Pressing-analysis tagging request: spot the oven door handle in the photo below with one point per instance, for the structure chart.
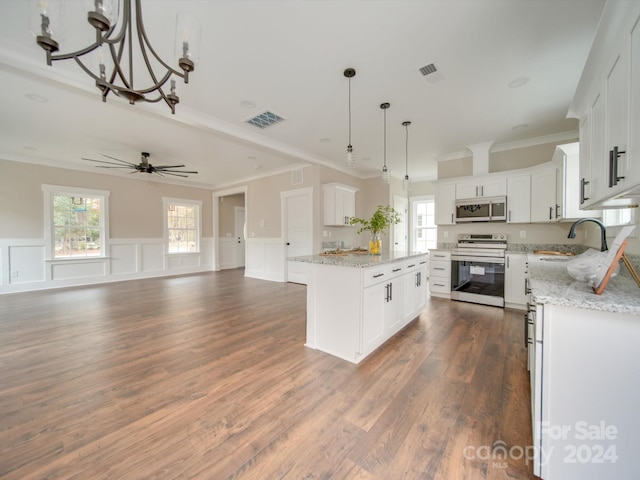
(465, 258)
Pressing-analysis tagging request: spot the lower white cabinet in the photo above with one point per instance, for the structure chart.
(515, 278)
(351, 311)
(440, 273)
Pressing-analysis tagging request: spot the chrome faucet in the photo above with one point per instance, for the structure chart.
(603, 232)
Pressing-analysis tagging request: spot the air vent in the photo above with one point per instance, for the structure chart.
(265, 119)
(430, 73)
(296, 177)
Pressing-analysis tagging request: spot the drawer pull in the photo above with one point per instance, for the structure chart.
(396, 270)
(378, 275)
(411, 266)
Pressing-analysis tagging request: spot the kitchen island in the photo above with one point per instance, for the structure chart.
(355, 302)
(584, 372)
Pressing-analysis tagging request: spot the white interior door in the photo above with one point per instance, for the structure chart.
(240, 220)
(400, 205)
(297, 218)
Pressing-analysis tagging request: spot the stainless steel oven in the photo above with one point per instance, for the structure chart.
(477, 268)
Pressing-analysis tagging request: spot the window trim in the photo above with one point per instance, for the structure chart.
(48, 192)
(166, 201)
(414, 220)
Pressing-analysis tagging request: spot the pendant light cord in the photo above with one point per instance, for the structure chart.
(385, 137)
(349, 111)
(406, 151)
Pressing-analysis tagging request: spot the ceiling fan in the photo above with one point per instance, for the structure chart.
(144, 166)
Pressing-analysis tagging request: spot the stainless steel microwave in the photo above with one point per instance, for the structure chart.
(489, 209)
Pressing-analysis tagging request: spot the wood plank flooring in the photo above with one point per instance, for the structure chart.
(206, 377)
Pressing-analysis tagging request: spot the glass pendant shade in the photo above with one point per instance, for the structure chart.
(188, 33)
(349, 160)
(405, 182)
(109, 9)
(385, 175)
(45, 17)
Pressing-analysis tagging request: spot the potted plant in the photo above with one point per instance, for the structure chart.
(382, 218)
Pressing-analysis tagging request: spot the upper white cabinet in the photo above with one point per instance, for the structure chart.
(544, 206)
(486, 187)
(519, 199)
(607, 102)
(339, 204)
(445, 204)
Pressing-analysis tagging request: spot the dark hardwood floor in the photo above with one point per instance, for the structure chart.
(206, 376)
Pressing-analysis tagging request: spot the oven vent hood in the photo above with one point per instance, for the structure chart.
(480, 157)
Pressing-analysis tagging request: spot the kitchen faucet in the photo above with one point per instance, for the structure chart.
(603, 232)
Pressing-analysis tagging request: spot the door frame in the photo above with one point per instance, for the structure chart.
(237, 210)
(215, 254)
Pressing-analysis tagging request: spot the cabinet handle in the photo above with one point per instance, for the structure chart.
(550, 213)
(452, 218)
(557, 208)
(611, 183)
(439, 284)
(391, 291)
(526, 329)
(616, 155)
(386, 292)
(438, 268)
(422, 263)
(378, 275)
(508, 262)
(476, 190)
(482, 190)
(509, 215)
(583, 182)
(411, 266)
(396, 270)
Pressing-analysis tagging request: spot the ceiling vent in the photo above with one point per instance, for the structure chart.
(430, 73)
(265, 119)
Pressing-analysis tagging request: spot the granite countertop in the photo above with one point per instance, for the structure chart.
(357, 260)
(550, 283)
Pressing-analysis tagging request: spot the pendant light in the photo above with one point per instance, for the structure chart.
(349, 161)
(405, 181)
(385, 170)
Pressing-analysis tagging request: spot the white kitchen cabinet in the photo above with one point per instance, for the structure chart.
(515, 277)
(339, 204)
(607, 102)
(445, 204)
(353, 310)
(440, 273)
(519, 199)
(544, 206)
(415, 287)
(584, 399)
(485, 187)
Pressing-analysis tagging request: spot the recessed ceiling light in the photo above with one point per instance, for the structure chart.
(518, 82)
(325, 140)
(37, 98)
(522, 126)
(247, 104)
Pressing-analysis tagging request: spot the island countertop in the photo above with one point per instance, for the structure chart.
(550, 282)
(356, 260)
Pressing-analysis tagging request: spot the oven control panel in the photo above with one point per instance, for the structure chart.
(500, 237)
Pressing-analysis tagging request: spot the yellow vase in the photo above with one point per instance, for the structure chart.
(375, 244)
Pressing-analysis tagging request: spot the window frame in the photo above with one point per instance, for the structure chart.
(49, 191)
(414, 220)
(166, 202)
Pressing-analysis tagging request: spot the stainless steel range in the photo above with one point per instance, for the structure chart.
(477, 268)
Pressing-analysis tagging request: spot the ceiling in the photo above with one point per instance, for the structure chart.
(288, 57)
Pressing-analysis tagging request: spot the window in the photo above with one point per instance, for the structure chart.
(425, 231)
(182, 225)
(614, 219)
(75, 222)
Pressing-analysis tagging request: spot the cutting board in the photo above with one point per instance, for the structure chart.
(552, 252)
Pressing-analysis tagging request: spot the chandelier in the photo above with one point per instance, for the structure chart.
(115, 55)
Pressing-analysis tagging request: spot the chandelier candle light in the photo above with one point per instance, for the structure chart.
(116, 48)
(349, 161)
(385, 170)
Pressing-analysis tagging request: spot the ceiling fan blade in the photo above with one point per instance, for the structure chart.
(178, 171)
(104, 161)
(114, 166)
(118, 160)
(175, 174)
(162, 167)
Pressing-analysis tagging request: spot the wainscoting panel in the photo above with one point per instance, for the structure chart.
(265, 259)
(152, 257)
(124, 258)
(23, 266)
(228, 252)
(26, 264)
